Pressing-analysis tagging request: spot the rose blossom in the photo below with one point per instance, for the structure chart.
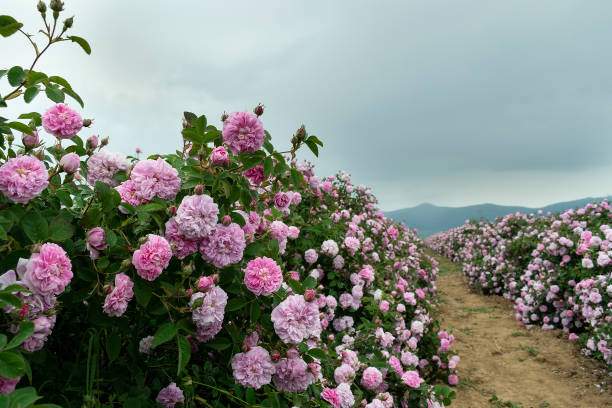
(155, 178)
(255, 175)
(371, 378)
(30, 140)
(292, 375)
(23, 178)
(170, 396)
(103, 165)
(180, 244)
(219, 156)
(152, 257)
(412, 379)
(7, 385)
(70, 162)
(263, 276)
(254, 368)
(209, 315)
(47, 272)
(42, 330)
(224, 246)
(92, 141)
(96, 241)
(295, 319)
(311, 256)
(282, 201)
(62, 122)
(117, 301)
(243, 132)
(330, 395)
(197, 216)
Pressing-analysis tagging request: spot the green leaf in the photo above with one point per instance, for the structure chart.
(236, 303)
(25, 330)
(59, 80)
(297, 178)
(309, 283)
(30, 94)
(190, 117)
(82, 42)
(165, 333)
(113, 346)
(35, 226)
(109, 197)
(111, 237)
(54, 93)
(184, 353)
(74, 96)
(250, 396)
(317, 353)
(150, 207)
(268, 165)
(200, 124)
(312, 146)
(255, 312)
(192, 135)
(34, 77)
(219, 343)
(296, 286)
(143, 292)
(316, 140)
(61, 229)
(20, 127)
(9, 26)
(16, 75)
(11, 364)
(24, 397)
(3, 340)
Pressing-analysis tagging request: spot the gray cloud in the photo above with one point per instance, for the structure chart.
(450, 102)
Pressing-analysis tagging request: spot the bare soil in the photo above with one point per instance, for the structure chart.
(505, 365)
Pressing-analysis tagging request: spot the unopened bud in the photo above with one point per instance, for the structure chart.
(126, 263)
(42, 7)
(186, 124)
(224, 117)
(259, 110)
(10, 138)
(87, 122)
(56, 5)
(275, 356)
(216, 278)
(301, 133)
(68, 22)
(104, 142)
(227, 220)
(309, 295)
(92, 141)
(36, 248)
(205, 283)
(40, 155)
(172, 210)
(199, 189)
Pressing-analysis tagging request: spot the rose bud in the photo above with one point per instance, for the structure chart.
(70, 162)
(224, 117)
(219, 156)
(199, 189)
(309, 295)
(259, 110)
(92, 141)
(205, 283)
(30, 140)
(227, 220)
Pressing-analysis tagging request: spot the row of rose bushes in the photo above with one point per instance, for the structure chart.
(225, 274)
(556, 268)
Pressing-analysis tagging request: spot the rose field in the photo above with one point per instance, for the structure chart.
(231, 273)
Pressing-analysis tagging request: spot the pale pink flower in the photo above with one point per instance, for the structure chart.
(43, 325)
(295, 319)
(116, 302)
(47, 272)
(152, 257)
(292, 375)
(197, 216)
(127, 192)
(62, 122)
(212, 310)
(23, 178)
(330, 395)
(254, 368)
(243, 132)
(412, 379)
(311, 256)
(155, 178)
(180, 244)
(96, 241)
(255, 175)
(224, 246)
(219, 156)
(170, 396)
(7, 385)
(263, 276)
(70, 162)
(103, 165)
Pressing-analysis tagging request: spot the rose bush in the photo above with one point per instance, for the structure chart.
(555, 268)
(224, 274)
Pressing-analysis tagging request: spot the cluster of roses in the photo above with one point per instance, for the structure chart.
(373, 288)
(556, 269)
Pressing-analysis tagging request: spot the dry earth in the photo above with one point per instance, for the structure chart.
(505, 365)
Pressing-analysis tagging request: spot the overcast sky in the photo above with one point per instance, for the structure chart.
(449, 102)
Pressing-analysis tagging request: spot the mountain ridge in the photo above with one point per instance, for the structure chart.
(429, 218)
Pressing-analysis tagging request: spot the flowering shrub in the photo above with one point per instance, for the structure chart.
(556, 269)
(226, 274)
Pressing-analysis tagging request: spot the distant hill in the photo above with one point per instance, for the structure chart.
(429, 218)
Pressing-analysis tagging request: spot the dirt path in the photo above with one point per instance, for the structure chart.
(504, 365)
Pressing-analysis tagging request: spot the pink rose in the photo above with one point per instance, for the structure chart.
(70, 162)
(219, 156)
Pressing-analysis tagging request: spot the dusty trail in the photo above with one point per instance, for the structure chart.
(504, 365)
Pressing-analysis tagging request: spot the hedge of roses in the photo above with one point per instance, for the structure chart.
(556, 269)
(225, 274)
